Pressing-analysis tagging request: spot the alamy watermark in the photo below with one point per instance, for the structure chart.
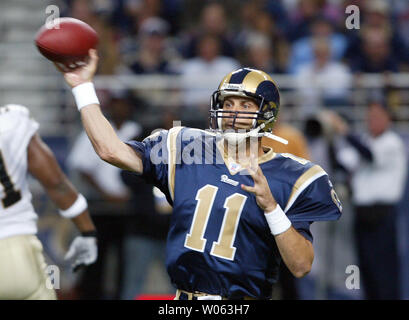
(352, 282)
(53, 15)
(194, 146)
(354, 19)
(52, 277)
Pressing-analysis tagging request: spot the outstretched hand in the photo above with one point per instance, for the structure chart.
(81, 74)
(261, 189)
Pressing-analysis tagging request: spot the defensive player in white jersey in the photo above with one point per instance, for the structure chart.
(22, 264)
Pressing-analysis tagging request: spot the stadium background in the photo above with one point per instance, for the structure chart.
(148, 55)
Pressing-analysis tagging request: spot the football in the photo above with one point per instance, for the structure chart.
(67, 43)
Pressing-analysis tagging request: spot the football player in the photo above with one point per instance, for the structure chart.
(234, 217)
(22, 264)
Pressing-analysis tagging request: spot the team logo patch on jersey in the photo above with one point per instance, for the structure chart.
(234, 167)
(224, 178)
(336, 200)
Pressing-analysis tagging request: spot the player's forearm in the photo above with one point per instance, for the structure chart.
(60, 190)
(106, 142)
(64, 195)
(296, 252)
(100, 132)
(83, 222)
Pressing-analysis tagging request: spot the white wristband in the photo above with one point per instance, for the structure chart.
(84, 95)
(277, 221)
(78, 207)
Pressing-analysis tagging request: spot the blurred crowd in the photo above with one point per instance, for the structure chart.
(307, 39)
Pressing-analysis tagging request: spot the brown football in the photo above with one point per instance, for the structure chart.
(67, 45)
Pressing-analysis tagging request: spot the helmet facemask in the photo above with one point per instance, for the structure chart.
(262, 121)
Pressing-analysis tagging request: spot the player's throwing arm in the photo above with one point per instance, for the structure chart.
(100, 132)
(71, 47)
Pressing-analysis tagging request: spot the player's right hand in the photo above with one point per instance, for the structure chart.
(81, 74)
(261, 190)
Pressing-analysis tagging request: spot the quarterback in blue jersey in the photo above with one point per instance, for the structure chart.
(239, 209)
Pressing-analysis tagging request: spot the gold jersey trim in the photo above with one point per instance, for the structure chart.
(303, 182)
(172, 153)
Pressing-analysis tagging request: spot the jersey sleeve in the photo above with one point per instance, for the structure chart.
(318, 201)
(17, 126)
(155, 158)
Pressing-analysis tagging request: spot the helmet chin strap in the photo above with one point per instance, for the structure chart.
(276, 138)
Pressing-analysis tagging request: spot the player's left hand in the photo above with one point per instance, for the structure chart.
(261, 189)
(82, 252)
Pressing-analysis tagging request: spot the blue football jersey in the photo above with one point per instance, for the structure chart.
(219, 241)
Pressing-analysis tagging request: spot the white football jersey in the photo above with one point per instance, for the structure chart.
(17, 215)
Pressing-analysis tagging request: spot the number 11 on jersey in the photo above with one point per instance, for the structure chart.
(233, 204)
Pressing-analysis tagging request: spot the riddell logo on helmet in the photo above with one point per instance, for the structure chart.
(232, 86)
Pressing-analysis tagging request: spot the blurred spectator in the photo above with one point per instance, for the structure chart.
(140, 10)
(333, 248)
(258, 24)
(107, 47)
(305, 13)
(318, 142)
(378, 15)
(249, 13)
(377, 47)
(213, 21)
(322, 82)
(82, 10)
(278, 12)
(172, 12)
(108, 197)
(151, 53)
(402, 20)
(302, 51)
(208, 62)
(259, 54)
(376, 53)
(378, 166)
(114, 12)
(301, 18)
